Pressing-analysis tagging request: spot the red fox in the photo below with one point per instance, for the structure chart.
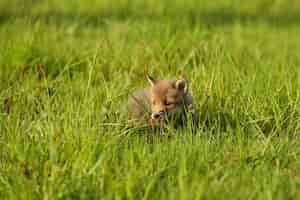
(163, 100)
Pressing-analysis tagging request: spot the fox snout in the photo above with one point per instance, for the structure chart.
(157, 115)
(165, 114)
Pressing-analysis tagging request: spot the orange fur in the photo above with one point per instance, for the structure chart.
(160, 101)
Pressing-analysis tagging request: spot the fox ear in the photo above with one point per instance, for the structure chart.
(182, 85)
(151, 80)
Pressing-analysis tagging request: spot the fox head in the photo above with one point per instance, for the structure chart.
(167, 97)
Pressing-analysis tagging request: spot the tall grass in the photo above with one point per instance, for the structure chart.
(66, 68)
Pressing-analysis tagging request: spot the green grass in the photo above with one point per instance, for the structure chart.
(66, 68)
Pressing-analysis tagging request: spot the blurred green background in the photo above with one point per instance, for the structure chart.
(66, 68)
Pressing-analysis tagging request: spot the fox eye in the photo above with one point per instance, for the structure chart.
(153, 102)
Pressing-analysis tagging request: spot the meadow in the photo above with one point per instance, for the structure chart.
(67, 67)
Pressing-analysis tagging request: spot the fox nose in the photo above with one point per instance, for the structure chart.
(157, 115)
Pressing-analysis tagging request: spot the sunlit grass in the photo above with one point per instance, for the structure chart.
(67, 67)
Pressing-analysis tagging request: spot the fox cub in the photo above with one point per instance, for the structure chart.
(163, 101)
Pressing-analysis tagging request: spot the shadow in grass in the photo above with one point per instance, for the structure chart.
(209, 17)
(215, 119)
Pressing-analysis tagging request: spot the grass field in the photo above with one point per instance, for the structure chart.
(66, 68)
